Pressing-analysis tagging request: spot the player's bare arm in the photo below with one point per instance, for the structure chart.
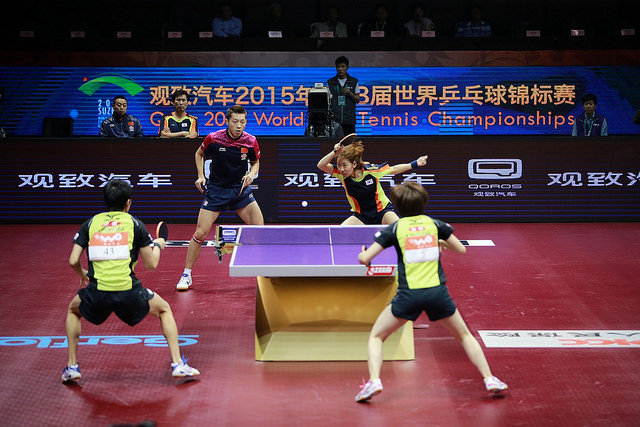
(403, 167)
(325, 163)
(151, 254)
(166, 133)
(74, 262)
(250, 176)
(370, 253)
(454, 244)
(201, 181)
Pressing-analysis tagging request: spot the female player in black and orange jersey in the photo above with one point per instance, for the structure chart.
(361, 182)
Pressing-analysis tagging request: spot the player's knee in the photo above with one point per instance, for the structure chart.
(158, 306)
(74, 305)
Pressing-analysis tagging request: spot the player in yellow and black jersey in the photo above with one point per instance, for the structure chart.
(113, 240)
(417, 239)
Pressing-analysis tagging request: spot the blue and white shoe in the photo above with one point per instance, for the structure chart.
(184, 282)
(71, 373)
(183, 370)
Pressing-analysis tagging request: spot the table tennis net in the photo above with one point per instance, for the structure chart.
(298, 235)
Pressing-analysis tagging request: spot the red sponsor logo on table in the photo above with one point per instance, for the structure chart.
(380, 270)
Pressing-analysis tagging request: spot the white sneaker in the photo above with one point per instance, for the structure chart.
(370, 389)
(184, 283)
(494, 385)
(71, 373)
(183, 370)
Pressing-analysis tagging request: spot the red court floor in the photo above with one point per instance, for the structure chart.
(538, 277)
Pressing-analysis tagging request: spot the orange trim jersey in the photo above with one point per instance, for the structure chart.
(112, 240)
(187, 123)
(365, 194)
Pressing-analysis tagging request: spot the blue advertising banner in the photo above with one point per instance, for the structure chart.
(395, 100)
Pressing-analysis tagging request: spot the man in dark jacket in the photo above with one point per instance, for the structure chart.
(590, 123)
(345, 94)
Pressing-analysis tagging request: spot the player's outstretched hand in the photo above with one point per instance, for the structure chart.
(422, 160)
(337, 148)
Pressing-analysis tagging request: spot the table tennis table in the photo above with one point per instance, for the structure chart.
(314, 300)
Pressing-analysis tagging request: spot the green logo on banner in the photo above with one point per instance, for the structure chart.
(90, 87)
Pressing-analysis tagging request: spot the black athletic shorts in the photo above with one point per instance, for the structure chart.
(375, 218)
(435, 301)
(130, 306)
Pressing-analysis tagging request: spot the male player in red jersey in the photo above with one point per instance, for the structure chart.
(227, 187)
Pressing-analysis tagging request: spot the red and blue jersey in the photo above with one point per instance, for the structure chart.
(229, 157)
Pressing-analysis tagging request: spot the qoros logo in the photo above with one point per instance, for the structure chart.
(494, 169)
(380, 270)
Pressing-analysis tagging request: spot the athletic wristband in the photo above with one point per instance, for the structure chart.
(414, 164)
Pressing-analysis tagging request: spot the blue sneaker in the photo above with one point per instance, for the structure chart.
(71, 373)
(183, 370)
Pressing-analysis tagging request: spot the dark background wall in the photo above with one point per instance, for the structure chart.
(149, 20)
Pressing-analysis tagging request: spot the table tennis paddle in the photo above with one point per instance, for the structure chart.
(348, 139)
(162, 231)
(243, 184)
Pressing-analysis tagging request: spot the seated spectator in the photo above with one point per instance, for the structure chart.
(179, 124)
(275, 22)
(339, 29)
(226, 25)
(418, 24)
(120, 124)
(590, 123)
(381, 24)
(475, 27)
(636, 118)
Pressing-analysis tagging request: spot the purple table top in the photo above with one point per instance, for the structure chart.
(306, 251)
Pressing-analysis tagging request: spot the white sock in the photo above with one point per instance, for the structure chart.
(187, 271)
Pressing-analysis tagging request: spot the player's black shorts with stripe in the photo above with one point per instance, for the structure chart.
(131, 306)
(375, 218)
(435, 301)
(226, 198)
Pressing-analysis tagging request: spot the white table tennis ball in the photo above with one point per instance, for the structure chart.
(304, 203)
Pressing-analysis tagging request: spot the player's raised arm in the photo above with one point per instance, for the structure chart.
(403, 167)
(325, 163)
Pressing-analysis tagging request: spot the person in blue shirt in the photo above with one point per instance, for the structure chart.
(475, 27)
(226, 25)
(121, 124)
